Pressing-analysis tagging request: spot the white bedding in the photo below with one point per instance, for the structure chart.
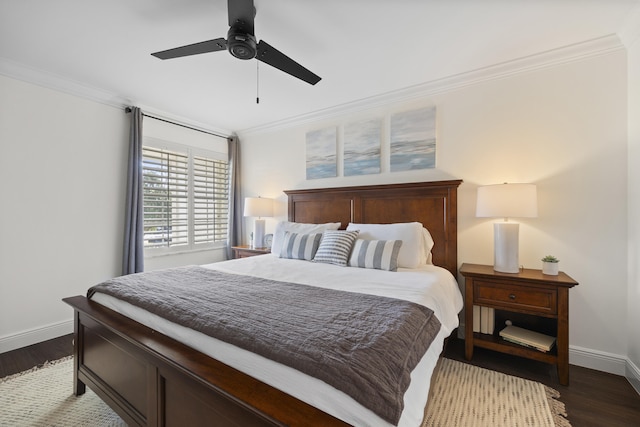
(428, 285)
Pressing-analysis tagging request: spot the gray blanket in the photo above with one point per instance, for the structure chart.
(363, 345)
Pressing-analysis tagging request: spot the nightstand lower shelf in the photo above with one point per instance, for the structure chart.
(496, 343)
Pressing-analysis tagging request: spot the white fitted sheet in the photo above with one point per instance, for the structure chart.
(428, 285)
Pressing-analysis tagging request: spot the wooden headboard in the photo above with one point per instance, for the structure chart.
(434, 204)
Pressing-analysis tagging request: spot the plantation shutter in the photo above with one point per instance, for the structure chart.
(166, 197)
(210, 200)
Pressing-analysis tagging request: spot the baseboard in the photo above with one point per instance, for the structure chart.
(598, 360)
(34, 336)
(633, 375)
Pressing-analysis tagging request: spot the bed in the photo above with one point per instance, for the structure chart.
(151, 374)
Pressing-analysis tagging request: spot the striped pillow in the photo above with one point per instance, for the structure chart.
(300, 246)
(335, 247)
(378, 254)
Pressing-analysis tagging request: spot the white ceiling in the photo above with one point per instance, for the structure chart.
(360, 48)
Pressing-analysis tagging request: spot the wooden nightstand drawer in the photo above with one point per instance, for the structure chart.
(515, 297)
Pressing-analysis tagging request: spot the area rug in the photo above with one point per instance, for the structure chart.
(43, 397)
(461, 395)
(466, 395)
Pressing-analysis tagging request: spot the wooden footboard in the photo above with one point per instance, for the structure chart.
(150, 379)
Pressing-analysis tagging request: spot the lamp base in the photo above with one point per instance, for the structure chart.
(505, 247)
(258, 234)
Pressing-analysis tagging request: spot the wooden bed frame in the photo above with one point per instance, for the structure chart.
(150, 379)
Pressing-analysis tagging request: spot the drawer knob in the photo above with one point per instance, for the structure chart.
(512, 296)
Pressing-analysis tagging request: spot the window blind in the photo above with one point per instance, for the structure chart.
(186, 200)
(166, 197)
(210, 200)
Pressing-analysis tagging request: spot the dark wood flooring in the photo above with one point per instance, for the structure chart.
(593, 398)
(25, 358)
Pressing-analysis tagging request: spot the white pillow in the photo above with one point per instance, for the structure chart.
(427, 245)
(299, 228)
(412, 252)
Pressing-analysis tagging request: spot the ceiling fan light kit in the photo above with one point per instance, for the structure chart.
(241, 43)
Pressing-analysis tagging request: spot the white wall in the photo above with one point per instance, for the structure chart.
(633, 300)
(63, 167)
(62, 180)
(563, 128)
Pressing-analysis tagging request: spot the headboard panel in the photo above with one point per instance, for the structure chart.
(434, 204)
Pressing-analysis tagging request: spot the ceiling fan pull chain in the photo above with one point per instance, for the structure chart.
(257, 82)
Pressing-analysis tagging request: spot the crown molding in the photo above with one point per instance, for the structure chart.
(58, 83)
(630, 31)
(551, 58)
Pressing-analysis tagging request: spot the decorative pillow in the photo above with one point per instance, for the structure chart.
(300, 228)
(335, 247)
(300, 246)
(412, 253)
(378, 254)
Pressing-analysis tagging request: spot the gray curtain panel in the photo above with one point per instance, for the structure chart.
(236, 220)
(133, 256)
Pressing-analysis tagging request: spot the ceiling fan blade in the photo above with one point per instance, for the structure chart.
(241, 15)
(193, 49)
(272, 56)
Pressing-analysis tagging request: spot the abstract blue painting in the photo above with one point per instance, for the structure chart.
(362, 147)
(322, 153)
(413, 140)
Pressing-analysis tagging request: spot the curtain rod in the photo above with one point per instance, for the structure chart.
(128, 110)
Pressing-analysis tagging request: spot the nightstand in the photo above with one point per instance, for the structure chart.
(530, 299)
(245, 251)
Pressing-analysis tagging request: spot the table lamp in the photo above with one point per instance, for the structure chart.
(507, 201)
(258, 207)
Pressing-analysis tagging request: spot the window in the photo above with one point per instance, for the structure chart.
(185, 199)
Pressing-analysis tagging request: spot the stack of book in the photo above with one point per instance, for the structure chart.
(483, 319)
(528, 338)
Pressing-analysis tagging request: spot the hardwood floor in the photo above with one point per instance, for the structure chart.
(25, 358)
(593, 398)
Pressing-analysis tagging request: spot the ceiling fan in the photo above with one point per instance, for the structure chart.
(241, 43)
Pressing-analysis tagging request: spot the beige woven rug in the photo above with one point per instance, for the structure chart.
(43, 397)
(469, 396)
(462, 395)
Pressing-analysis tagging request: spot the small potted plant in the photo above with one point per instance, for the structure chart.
(550, 265)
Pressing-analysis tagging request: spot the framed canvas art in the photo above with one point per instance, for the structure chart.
(413, 140)
(322, 153)
(362, 147)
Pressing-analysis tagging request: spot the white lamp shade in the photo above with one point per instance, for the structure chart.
(507, 201)
(258, 207)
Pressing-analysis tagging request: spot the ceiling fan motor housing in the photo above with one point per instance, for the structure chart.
(241, 44)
